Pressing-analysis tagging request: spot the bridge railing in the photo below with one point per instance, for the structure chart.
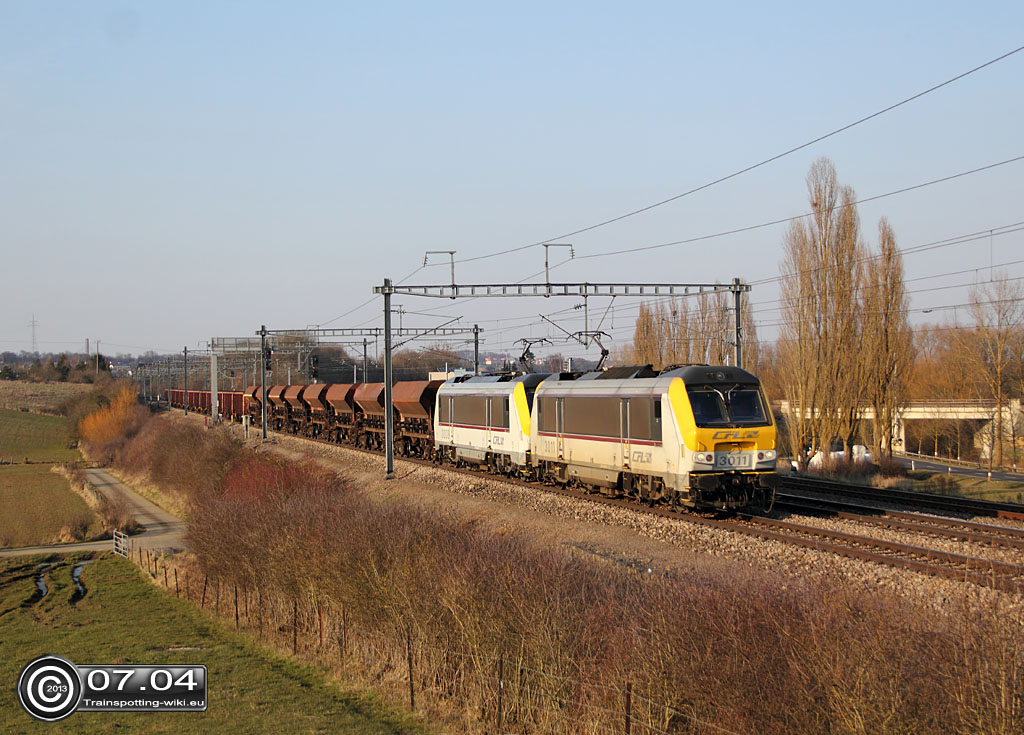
(972, 464)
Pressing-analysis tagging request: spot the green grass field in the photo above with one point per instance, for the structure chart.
(37, 504)
(124, 619)
(39, 438)
(969, 487)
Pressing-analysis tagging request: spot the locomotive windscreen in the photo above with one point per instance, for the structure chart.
(727, 406)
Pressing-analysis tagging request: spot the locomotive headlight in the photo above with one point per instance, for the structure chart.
(704, 457)
(766, 456)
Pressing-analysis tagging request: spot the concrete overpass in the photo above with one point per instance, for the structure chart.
(983, 410)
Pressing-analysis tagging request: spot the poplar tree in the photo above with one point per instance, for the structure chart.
(821, 366)
(888, 343)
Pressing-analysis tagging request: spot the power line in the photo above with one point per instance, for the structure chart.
(752, 167)
(784, 220)
(749, 228)
(368, 301)
(929, 309)
(761, 225)
(934, 245)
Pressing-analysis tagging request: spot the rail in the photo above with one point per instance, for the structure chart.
(923, 500)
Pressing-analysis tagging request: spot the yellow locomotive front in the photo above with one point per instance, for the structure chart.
(728, 434)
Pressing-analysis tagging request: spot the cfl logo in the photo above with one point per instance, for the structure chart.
(735, 435)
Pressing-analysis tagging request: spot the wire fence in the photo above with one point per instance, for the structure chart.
(492, 693)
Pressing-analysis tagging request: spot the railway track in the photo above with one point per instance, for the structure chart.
(935, 562)
(951, 528)
(801, 486)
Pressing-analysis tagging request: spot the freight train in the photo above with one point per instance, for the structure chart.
(700, 436)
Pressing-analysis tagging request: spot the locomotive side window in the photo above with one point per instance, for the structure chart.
(641, 418)
(546, 414)
(470, 410)
(445, 414)
(499, 413)
(592, 416)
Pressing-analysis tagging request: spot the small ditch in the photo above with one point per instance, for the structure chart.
(76, 577)
(41, 589)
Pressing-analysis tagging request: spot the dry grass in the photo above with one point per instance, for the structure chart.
(38, 397)
(569, 633)
(40, 508)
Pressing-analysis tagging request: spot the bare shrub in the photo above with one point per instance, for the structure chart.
(115, 514)
(182, 459)
(77, 527)
(845, 469)
(888, 466)
(737, 652)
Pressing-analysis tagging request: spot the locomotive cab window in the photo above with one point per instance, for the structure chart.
(726, 405)
(746, 406)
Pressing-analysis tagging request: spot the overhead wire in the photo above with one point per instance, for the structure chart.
(735, 174)
(784, 220)
(749, 168)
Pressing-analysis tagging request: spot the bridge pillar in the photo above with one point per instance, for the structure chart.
(899, 435)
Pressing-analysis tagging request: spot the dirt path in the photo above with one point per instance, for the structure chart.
(162, 531)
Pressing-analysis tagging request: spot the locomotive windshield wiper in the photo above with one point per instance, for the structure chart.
(726, 410)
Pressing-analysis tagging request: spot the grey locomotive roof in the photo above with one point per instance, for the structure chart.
(491, 383)
(645, 382)
(695, 374)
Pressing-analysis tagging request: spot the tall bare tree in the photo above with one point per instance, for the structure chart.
(681, 331)
(821, 366)
(998, 315)
(647, 343)
(888, 344)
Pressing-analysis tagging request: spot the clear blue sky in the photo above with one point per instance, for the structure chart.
(175, 171)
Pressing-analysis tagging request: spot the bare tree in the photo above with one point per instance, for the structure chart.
(888, 347)
(998, 316)
(821, 369)
(673, 333)
(646, 337)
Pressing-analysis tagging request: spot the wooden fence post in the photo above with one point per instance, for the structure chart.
(236, 607)
(206, 579)
(176, 591)
(295, 626)
(259, 597)
(344, 632)
(165, 576)
(629, 706)
(408, 653)
(320, 621)
(501, 686)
